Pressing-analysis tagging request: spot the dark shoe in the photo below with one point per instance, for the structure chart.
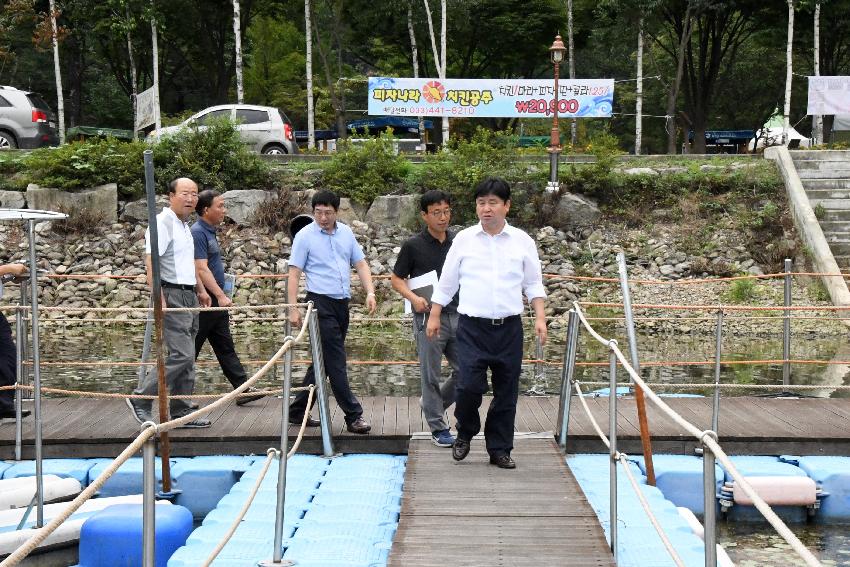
(11, 413)
(460, 449)
(502, 461)
(442, 438)
(139, 413)
(310, 421)
(242, 400)
(360, 426)
(199, 423)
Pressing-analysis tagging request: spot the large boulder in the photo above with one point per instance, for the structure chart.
(574, 211)
(101, 200)
(243, 203)
(391, 210)
(137, 211)
(12, 200)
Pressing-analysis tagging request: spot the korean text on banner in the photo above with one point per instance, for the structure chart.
(829, 95)
(490, 98)
(145, 108)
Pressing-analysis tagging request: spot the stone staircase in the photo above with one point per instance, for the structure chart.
(825, 176)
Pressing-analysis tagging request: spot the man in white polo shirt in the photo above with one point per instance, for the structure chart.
(493, 263)
(180, 288)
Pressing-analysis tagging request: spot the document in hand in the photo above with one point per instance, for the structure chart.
(423, 286)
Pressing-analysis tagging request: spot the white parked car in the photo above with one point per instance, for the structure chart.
(264, 129)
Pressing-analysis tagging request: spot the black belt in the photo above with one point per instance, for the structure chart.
(490, 321)
(177, 286)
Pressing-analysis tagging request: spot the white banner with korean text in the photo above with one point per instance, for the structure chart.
(146, 108)
(829, 95)
(487, 98)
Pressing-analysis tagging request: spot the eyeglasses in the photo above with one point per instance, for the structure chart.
(324, 213)
(441, 214)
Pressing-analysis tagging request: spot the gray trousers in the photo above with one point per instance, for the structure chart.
(178, 330)
(437, 395)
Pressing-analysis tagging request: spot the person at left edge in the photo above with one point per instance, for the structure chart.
(8, 352)
(214, 326)
(325, 250)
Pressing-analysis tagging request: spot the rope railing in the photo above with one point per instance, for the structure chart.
(707, 438)
(725, 307)
(39, 536)
(622, 458)
(272, 453)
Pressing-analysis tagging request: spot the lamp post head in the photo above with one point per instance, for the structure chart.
(557, 50)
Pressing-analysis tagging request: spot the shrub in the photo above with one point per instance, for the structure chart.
(275, 214)
(742, 291)
(214, 157)
(80, 220)
(365, 170)
(79, 165)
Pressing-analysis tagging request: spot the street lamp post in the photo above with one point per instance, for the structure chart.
(556, 53)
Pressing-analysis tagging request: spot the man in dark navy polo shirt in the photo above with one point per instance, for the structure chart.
(214, 326)
(423, 253)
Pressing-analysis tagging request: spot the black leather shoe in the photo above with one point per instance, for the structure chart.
(11, 413)
(310, 421)
(503, 461)
(360, 426)
(242, 400)
(460, 449)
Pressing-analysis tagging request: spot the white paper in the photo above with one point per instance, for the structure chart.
(426, 279)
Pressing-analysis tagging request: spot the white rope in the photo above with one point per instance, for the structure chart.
(674, 555)
(272, 453)
(733, 386)
(39, 536)
(715, 448)
(593, 422)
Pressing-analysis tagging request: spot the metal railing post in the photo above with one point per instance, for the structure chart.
(539, 368)
(709, 503)
(718, 335)
(567, 375)
(148, 500)
(36, 376)
(640, 402)
(22, 344)
(786, 328)
(612, 436)
(321, 392)
(277, 554)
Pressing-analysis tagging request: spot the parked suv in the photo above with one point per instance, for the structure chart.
(25, 120)
(265, 129)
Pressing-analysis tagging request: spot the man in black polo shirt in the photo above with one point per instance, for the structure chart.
(423, 253)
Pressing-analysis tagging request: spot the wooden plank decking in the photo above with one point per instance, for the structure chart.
(748, 425)
(534, 515)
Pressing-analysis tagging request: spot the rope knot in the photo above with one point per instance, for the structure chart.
(708, 433)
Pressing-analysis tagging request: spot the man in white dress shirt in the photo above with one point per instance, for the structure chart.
(180, 288)
(493, 263)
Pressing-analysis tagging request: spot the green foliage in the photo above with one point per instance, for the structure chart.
(80, 165)
(817, 291)
(365, 170)
(742, 291)
(464, 164)
(820, 211)
(214, 157)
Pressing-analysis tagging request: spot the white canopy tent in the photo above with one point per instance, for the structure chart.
(771, 135)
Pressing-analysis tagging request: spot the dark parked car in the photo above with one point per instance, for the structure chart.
(26, 121)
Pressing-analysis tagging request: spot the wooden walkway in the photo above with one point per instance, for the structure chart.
(533, 515)
(748, 425)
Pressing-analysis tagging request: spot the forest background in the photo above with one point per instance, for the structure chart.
(732, 54)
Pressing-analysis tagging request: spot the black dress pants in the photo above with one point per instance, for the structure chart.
(482, 346)
(8, 359)
(333, 326)
(214, 326)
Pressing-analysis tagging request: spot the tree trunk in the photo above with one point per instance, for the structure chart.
(639, 93)
(788, 73)
(340, 120)
(433, 38)
(415, 57)
(573, 122)
(443, 64)
(311, 119)
(817, 121)
(155, 50)
(673, 93)
(133, 79)
(57, 71)
(237, 35)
